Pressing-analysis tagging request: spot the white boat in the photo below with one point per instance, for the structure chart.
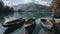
(47, 24)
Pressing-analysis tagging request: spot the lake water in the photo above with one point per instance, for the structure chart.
(16, 15)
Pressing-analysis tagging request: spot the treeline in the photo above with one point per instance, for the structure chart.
(55, 7)
(5, 9)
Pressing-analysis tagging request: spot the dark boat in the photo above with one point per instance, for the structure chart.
(30, 26)
(14, 22)
(56, 25)
(57, 22)
(12, 27)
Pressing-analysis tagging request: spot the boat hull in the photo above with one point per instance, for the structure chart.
(14, 23)
(30, 28)
(13, 28)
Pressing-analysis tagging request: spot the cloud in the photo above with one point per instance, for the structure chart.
(38, 2)
(11, 3)
(42, 2)
(8, 2)
(28, 1)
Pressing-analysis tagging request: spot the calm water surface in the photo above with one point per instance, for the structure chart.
(17, 15)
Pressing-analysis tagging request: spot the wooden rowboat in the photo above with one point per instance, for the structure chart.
(30, 26)
(47, 25)
(14, 23)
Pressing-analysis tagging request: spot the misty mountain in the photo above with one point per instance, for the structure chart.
(30, 6)
(21, 6)
(34, 9)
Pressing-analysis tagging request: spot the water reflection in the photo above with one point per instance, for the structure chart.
(10, 16)
(2, 15)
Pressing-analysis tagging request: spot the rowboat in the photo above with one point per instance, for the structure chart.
(47, 25)
(30, 26)
(56, 23)
(13, 25)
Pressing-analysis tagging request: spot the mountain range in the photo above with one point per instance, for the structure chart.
(34, 9)
(30, 6)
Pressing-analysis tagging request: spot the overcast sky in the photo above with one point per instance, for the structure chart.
(16, 2)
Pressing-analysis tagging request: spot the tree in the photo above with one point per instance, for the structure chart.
(5, 9)
(1, 6)
(55, 7)
(8, 10)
